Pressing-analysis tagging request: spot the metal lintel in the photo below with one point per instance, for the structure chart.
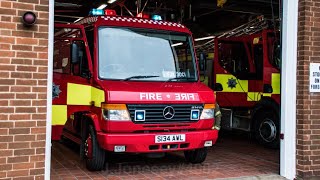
(68, 16)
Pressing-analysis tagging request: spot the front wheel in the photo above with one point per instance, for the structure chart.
(267, 129)
(95, 156)
(196, 156)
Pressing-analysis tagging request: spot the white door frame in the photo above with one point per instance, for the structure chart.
(47, 164)
(288, 89)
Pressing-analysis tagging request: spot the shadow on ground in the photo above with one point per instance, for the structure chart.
(234, 155)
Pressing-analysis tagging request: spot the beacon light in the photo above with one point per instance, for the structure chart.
(96, 12)
(110, 12)
(143, 15)
(156, 17)
(195, 114)
(140, 115)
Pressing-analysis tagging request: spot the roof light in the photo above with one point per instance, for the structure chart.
(204, 38)
(110, 12)
(102, 6)
(96, 12)
(156, 17)
(177, 44)
(143, 15)
(111, 1)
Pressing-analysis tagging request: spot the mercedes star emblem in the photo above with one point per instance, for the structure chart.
(168, 112)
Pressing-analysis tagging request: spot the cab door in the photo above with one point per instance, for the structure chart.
(72, 70)
(231, 72)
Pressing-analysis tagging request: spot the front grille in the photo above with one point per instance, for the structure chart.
(154, 112)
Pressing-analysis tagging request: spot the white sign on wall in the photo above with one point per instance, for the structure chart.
(314, 77)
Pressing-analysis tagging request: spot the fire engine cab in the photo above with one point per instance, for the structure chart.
(129, 84)
(246, 80)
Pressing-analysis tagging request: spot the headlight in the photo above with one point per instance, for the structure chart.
(115, 112)
(208, 111)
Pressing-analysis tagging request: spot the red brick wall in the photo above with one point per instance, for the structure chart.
(308, 104)
(23, 74)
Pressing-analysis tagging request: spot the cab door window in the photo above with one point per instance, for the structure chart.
(233, 57)
(241, 59)
(70, 55)
(61, 58)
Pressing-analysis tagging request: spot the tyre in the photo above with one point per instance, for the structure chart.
(94, 155)
(196, 156)
(267, 128)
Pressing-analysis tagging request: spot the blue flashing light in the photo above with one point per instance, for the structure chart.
(195, 114)
(156, 17)
(139, 115)
(96, 12)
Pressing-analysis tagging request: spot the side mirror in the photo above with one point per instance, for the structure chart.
(202, 61)
(204, 79)
(267, 88)
(277, 55)
(87, 75)
(75, 53)
(218, 87)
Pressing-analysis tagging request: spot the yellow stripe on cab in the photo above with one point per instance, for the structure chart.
(59, 114)
(275, 83)
(240, 86)
(79, 94)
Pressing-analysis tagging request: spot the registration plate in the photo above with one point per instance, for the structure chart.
(170, 138)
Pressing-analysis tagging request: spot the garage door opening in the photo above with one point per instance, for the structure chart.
(236, 153)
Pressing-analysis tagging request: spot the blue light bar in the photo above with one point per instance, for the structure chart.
(156, 17)
(96, 12)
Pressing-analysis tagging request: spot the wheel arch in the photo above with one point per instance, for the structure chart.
(265, 102)
(92, 118)
(87, 118)
(83, 118)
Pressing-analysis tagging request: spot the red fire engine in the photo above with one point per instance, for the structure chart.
(126, 84)
(246, 80)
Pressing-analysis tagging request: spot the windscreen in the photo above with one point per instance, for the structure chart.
(145, 55)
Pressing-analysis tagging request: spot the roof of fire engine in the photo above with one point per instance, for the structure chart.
(133, 22)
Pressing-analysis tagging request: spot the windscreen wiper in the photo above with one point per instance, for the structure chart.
(138, 77)
(176, 78)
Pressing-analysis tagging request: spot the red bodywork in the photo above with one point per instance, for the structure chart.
(136, 137)
(234, 97)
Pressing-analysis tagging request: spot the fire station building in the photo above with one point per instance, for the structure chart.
(26, 70)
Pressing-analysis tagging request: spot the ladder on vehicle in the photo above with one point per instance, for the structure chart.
(254, 26)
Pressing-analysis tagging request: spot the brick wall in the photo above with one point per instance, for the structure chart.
(23, 67)
(308, 104)
(23, 74)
